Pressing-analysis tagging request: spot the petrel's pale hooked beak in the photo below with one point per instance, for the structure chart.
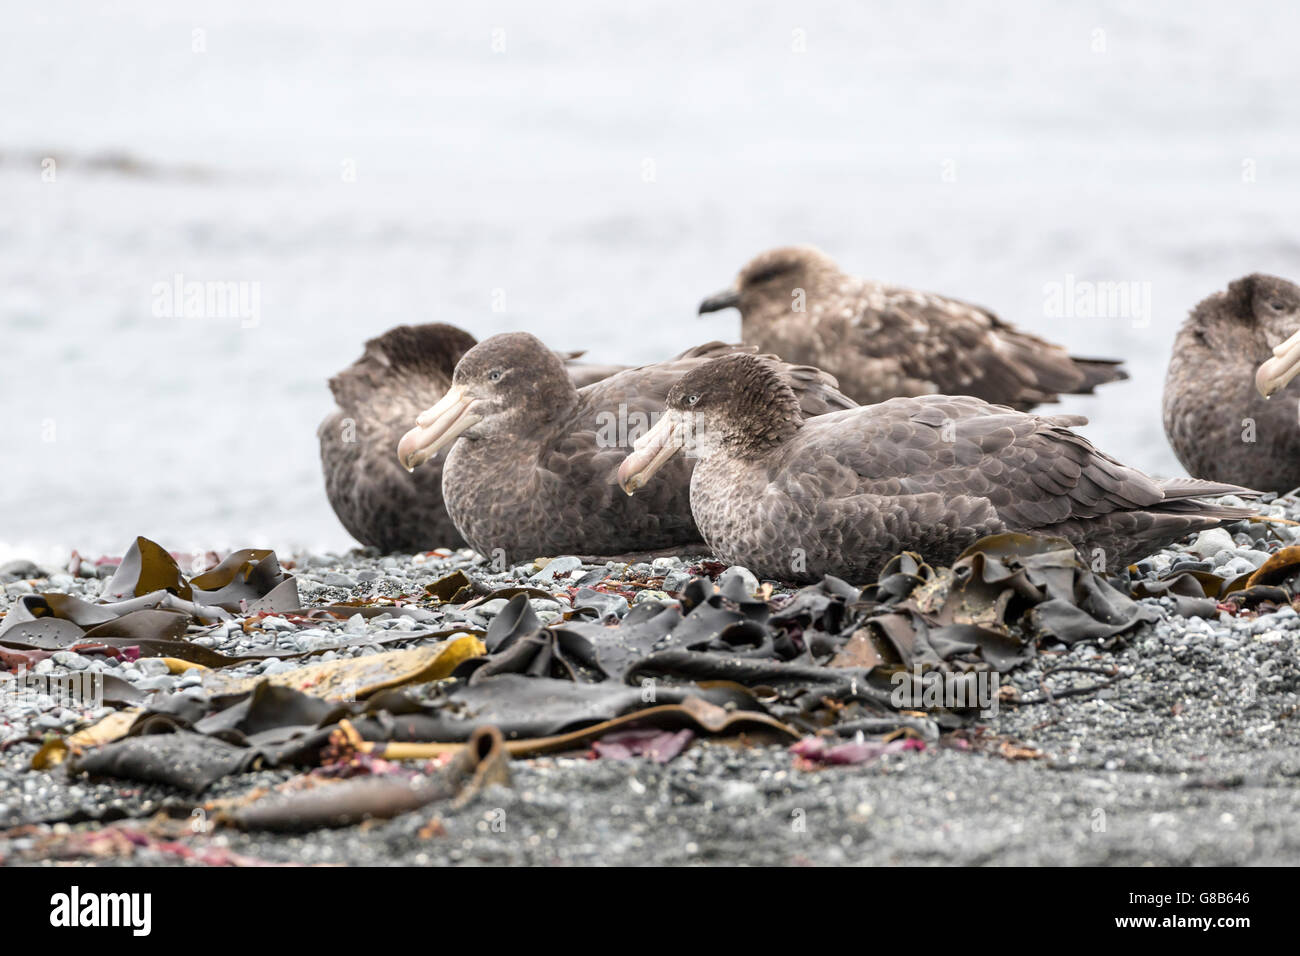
(726, 299)
(652, 451)
(1275, 373)
(437, 428)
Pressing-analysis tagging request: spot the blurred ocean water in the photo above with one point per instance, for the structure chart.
(588, 175)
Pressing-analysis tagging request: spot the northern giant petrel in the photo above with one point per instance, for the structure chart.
(400, 373)
(882, 341)
(532, 470)
(1236, 349)
(842, 493)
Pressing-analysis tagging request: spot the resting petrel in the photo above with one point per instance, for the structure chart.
(795, 499)
(1235, 350)
(881, 341)
(532, 470)
(401, 372)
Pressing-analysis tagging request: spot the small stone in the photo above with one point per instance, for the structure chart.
(313, 640)
(1238, 566)
(674, 581)
(556, 567)
(747, 579)
(153, 666)
(739, 793)
(335, 580)
(356, 624)
(648, 595)
(19, 569)
(1210, 542)
(73, 662)
(156, 683)
(582, 578)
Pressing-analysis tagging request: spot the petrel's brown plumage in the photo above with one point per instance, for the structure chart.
(533, 469)
(1218, 423)
(881, 341)
(399, 374)
(840, 494)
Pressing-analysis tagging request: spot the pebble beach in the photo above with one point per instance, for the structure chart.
(214, 209)
(1186, 753)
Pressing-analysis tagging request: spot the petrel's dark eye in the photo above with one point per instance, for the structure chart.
(692, 399)
(1276, 306)
(494, 375)
(771, 272)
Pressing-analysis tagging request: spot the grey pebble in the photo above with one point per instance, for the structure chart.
(152, 667)
(70, 660)
(674, 581)
(561, 566)
(648, 595)
(746, 577)
(1210, 542)
(156, 683)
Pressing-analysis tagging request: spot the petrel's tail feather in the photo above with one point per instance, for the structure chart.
(1097, 372)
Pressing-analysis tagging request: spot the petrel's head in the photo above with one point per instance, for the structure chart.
(774, 277)
(1267, 309)
(737, 405)
(502, 388)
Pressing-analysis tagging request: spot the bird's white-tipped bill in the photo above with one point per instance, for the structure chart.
(438, 427)
(1274, 374)
(652, 451)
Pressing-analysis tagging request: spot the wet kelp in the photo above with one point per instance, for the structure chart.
(151, 606)
(862, 669)
(1274, 584)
